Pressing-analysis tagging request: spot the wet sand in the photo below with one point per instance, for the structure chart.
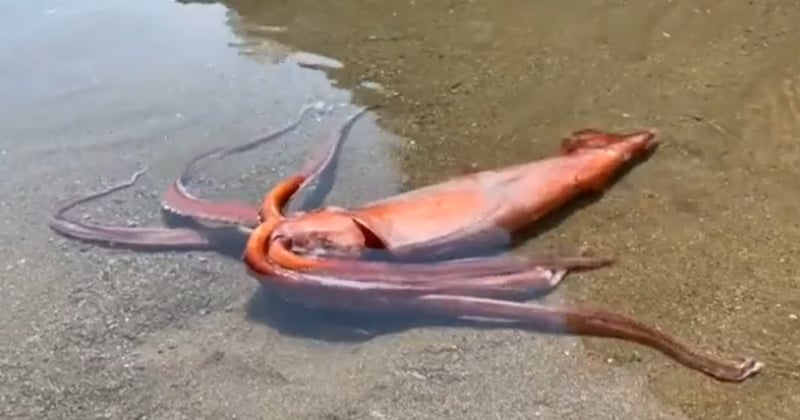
(705, 230)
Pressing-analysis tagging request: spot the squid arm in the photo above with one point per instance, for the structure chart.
(117, 236)
(491, 300)
(177, 200)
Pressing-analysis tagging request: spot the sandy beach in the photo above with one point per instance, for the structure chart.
(705, 232)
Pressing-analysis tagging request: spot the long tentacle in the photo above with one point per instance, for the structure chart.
(325, 161)
(482, 303)
(157, 238)
(490, 302)
(178, 200)
(466, 277)
(409, 272)
(325, 291)
(140, 237)
(272, 208)
(591, 322)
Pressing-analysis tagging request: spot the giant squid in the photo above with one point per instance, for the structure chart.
(419, 251)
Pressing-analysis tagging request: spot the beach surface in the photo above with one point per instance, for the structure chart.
(705, 232)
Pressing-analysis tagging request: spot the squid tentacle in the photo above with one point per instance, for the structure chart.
(175, 201)
(320, 163)
(409, 272)
(313, 290)
(332, 289)
(273, 205)
(178, 200)
(590, 322)
(468, 276)
(140, 237)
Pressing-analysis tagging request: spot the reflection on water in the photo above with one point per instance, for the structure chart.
(156, 70)
(705, 232)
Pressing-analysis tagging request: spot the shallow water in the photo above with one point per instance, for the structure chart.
(704, 231)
